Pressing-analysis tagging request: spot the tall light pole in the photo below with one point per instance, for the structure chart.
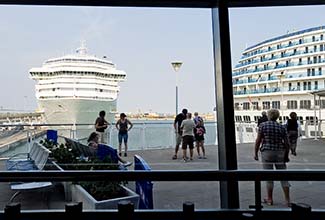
(176, 66)
(281, 76)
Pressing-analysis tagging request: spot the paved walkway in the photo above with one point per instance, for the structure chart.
(170, 195)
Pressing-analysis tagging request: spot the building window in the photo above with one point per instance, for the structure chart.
(236, 106)
(238, 118)
(320, 71)
(276, 104)
(308, 72)
(305, 85)
(255, 105)
(305, 104)
(322, 103)
(321, 37)
(313, 38)
(313, 72)
(309, 85)
(290, 86)
(298, 85)
(300, 41)
(247, 118)
(266, 105)
(292, 104)
(246, 105)
(316, 85)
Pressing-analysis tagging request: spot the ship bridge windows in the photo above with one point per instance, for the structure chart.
(305, 104)
(292, 104)
(276, 104)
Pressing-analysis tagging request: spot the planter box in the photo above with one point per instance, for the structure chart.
(79, 194)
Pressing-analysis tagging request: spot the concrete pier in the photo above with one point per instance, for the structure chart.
(171, 195)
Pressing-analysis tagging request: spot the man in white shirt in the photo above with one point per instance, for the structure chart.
(187, 127)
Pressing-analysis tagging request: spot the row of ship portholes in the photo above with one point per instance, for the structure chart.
(247, 119)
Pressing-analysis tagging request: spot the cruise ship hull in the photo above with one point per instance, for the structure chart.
(76, 111)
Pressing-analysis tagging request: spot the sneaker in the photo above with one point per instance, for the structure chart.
(185, 159)
(204, 157)
(200, 157)
(127, 164)
(125, 154)
(174, 157)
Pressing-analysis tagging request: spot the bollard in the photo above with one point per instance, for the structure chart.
(125, 210)
(12, 210)
(188, 210)
(300, 211)
(73, 208)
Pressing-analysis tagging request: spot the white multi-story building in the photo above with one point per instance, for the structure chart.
(281, 73)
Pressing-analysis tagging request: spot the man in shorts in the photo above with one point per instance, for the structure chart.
(177, 126)
(187, 127)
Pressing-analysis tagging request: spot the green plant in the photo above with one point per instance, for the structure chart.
(69, 159)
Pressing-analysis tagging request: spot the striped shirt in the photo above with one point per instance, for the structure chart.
(274, 136)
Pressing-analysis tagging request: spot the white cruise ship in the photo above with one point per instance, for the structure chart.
(73, 89)
(281, 73)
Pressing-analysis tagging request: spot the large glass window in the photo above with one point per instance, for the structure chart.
(292, 104)
(266, 105)
(276, 104)
(305, 104)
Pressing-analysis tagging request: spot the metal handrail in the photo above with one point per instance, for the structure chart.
(166, 175)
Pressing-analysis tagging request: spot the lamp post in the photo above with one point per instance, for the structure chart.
(281, 76)
(176, 66)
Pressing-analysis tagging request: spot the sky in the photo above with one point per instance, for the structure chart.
(141, 41)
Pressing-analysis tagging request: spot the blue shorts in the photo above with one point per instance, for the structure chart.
(124, 137)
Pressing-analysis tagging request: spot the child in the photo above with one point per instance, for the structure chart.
(199, 138)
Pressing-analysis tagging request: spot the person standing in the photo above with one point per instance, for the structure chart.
(187, 127)
(272, 141)
(101, 125)
(196, 118)
(294, 131)
(199, 138)
(177, 126)
(262, 119)
(122, 125)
